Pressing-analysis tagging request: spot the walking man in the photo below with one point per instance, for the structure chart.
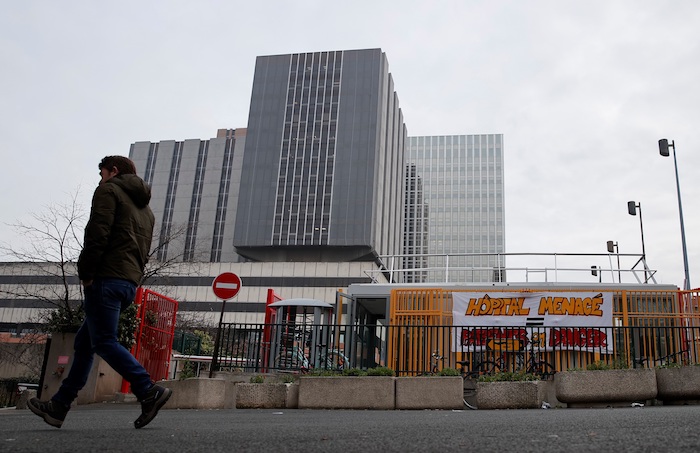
(111, 265)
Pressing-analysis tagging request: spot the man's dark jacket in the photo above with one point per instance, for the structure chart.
(119, 232)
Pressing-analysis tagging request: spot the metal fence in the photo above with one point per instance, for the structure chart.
(419, 349)
(538, 350)
(300, 347)
(187, 343)
(11, 389)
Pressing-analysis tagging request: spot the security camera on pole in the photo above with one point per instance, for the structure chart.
(225, 287)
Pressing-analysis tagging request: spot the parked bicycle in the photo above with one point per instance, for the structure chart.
(674, 359)
(468, 384)
(295, 358)
(528, 361)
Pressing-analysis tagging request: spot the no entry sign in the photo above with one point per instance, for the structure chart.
(226, 285)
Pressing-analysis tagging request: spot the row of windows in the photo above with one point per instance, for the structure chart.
(196, 202)
(449, 192)
(450, 205)
(457, 140)
(302, 210)
(477, 216)
(151, 163)
(457, 153)
(222, 202)
(166, 224)
(439, 167)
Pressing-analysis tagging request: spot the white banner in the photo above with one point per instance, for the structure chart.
(573, 320)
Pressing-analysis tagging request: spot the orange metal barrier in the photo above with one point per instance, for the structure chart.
(650, 328)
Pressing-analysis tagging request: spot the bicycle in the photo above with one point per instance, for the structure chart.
(468, 384)
(533, 365)
(668, 361)
(295, 358)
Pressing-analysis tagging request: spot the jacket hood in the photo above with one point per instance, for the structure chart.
(135, 187)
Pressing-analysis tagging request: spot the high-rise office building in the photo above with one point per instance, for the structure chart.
(455, 206)
(323, 160)
(314, 183)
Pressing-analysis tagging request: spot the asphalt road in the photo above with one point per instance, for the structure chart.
(108, 427)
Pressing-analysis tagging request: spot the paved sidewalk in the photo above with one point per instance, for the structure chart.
(109, 428)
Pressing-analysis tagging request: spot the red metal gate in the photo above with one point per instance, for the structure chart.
(154, 336)
(270, 318)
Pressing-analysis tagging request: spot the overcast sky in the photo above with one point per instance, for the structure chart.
(581, 90)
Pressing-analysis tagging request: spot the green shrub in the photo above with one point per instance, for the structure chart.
(289, 378)
(449, 372)
(354, 372)
(128, 324)
(188, 370)
(600, 365)
(380, 371)
(670, 365)
(207, 342)
(508, 376)
(65, 319)
(259, 379)
(323, 372)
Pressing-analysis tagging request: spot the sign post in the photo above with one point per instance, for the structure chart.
(225, 287)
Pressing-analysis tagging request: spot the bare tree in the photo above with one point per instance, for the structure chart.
(53, 244)
(48, 255)
(23, 357)
(161, 265)
(167, 260)
(54, 239)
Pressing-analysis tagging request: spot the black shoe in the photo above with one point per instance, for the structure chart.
(151, 404)
(52, 412)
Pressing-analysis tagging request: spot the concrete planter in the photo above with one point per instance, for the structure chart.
(103, 383)
(605, 387)
(510, 395)
(267, 396)
(433, 392)
(346, 392)
(678, 385)
(201, 393)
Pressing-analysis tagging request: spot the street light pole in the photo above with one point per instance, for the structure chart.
(632, 210)
(613, 248)
(663, 150)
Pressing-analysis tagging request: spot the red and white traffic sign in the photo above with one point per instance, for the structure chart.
(226, 285)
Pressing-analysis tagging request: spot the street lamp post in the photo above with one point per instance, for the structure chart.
(613, 248)
(632, 210)
(663, 150)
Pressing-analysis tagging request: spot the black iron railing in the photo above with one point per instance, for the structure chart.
(11, 389)
(417, 349)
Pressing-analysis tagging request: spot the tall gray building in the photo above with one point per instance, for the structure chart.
(323, 160)
(455, 205)
(195, 191)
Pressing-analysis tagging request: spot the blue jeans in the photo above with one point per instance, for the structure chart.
(104, 301)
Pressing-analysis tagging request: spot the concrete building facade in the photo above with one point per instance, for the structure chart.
(323, 161)
(195, 187)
